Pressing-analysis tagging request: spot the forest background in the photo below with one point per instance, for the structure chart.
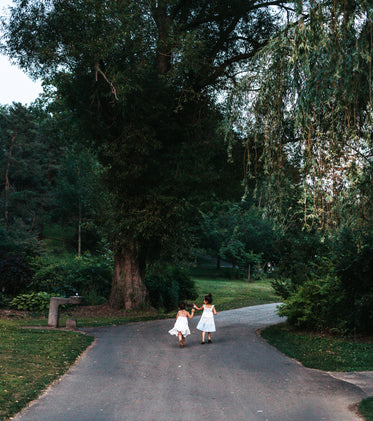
(170, 129)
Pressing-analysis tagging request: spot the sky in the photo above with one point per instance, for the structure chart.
(15, 85)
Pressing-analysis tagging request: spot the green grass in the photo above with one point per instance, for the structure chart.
(30, 360)
(228, 295)
(321, 352)
(366, 408)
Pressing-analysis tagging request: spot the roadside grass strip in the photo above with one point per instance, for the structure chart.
(366, 408)
(30, 360)
(322, 352)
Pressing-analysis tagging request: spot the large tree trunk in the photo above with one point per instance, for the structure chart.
(128, 289)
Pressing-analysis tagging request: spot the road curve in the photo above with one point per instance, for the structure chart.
(137, 372)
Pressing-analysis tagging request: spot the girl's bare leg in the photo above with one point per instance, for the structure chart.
(209, 336)
(203, 337)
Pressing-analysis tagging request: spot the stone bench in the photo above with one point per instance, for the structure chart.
(54, 310)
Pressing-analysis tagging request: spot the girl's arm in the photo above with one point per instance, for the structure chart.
(198, 308)
(214, 311)
(191, 315)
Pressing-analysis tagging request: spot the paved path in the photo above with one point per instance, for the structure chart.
(137, 372)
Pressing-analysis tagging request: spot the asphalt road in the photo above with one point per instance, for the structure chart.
(138, 372)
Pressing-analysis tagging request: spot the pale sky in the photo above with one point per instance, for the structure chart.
(15, 85)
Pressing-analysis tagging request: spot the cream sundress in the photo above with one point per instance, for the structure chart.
(181, 325)
(206, 322)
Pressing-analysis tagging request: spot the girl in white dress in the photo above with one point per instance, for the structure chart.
(181, 327)
(206, 323)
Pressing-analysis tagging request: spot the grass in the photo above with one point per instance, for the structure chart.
(30, 360)
(366, 408)
(228, 295)
(321, 352)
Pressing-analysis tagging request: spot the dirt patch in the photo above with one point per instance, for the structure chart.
(103, 310)
(13, 314)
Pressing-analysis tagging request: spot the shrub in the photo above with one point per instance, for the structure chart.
(86, 275)
(302, 256)
(316, 305)
(168, 285)
(15, 274)
(36, 302)
(283, 287)
(4, 301)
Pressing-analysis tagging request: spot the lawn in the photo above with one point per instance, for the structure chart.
(322, 352)
(30, 360)
(227, 294)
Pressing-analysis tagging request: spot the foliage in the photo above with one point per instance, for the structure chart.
(336, 291)
(15, 274)
(354, 267)
(88, 276)
(30, 149)
(304, 112)
(303, 255)
(316, 305)
(4, 300)
(140, 79)
(306, 108)
(37, 302)
(169, 285)
(238, 233)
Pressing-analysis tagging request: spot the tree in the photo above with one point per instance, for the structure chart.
(310, 113)
(29, 155)
(141, 77)
(309, 137)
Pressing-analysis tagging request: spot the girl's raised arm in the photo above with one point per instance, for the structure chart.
(198, 308)
(191, 315)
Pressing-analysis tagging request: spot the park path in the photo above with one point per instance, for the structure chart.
(137, 372)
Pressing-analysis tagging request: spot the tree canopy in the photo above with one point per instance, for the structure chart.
(141, 78)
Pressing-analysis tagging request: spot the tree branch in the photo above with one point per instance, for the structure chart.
(112, 87)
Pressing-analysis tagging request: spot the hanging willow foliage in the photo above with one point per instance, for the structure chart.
(305, 107)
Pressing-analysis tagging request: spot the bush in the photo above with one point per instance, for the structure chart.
(88, 276)
(283, 287)
(302, 256)
(4, 301)
(167, 286)
(316, 305)
(354, 267)
(15, 274)
(36, 302)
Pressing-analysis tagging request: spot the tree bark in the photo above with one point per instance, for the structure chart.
(128, 288)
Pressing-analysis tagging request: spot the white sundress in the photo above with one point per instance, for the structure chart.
(206, 322)
(181, 325)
